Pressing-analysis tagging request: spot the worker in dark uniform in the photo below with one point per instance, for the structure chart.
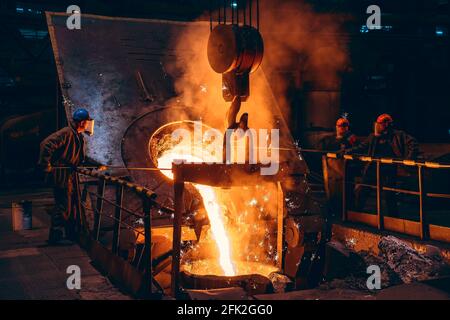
(60, 153)
(384, 142)
(333, 169)
(342, 139)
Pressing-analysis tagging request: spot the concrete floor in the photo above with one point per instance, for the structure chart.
(30, 269)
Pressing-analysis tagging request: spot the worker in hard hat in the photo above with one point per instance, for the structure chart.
(342, 139)
(60, 153)
(384, 142)
(333, 169)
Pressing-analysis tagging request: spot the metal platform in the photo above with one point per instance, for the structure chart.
(30, 269)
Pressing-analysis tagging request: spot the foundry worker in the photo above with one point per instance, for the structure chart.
(333, 169)
(342, 139)
(384, 142)
(64, 149)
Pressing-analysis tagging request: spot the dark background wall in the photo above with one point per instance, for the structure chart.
(402, 69)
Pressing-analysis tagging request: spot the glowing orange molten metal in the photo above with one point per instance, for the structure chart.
(212, 208)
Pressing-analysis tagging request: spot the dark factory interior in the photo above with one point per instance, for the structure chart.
(224, 150)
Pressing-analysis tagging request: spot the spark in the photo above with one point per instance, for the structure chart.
(212, 207)
(351, 241)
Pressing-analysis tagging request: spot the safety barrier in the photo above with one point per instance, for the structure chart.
(149, 203)
(422, 228)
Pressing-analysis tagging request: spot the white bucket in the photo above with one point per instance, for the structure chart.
(21, 215)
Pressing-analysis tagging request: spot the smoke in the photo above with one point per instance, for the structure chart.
(298, 41)
(298, 38)
(197, 86)
(304, 50)
(200, 89)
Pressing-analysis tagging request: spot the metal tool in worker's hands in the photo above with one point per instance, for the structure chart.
(102, 168)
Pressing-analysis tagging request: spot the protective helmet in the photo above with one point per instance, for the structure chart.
(81, 114)
(385, 119)
(342, 122)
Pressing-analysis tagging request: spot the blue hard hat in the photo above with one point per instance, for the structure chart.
(81, 114)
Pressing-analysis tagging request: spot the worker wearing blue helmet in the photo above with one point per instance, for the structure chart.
(60, 153)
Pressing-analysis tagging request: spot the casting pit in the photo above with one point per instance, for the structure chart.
(238, 246)
(251, 276)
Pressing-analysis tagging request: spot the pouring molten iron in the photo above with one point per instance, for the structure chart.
(211, 206)
(239, 240)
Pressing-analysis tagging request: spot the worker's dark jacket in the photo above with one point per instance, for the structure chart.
(332, 143)
(403, 146)
(63, 148)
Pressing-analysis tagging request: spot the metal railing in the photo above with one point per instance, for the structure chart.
(149, 203)
(422, 228)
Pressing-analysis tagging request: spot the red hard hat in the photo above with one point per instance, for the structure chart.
(384, 119)
(342, 122)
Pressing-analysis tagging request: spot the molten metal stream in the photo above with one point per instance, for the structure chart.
(212, 208)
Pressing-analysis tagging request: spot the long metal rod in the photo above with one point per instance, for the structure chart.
(57, 102)
(250, 8)
(77, 194)
(421, 202)
(245, 12)
(438, 195)
(128, 226)
(344, 192)
(257, 14)
(379, 188)
(224, 11)
(148, 245)
(219, 11)
(138, 215)
(210, 16)
(232, 12)
(155, 204)
(99, 207)
(179, 209)
(280, 224)
(115, 167)
(135, 214)
(329, 154)
(414, 193)
(84, 194)
(237, 11)
(140, 257)
(118, 219)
